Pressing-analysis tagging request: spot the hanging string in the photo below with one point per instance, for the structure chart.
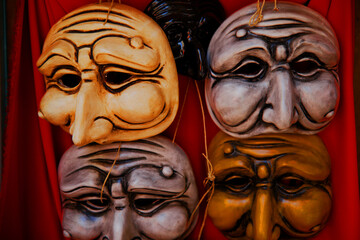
(203, 117)
(100, 1)
(108, 13)
(182, 109)
(275, 7)
(258, 16)
(107, 176)
(209, 181)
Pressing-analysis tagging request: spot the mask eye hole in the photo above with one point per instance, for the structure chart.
(69, 80)
(95, 204)
(237, 183)
(305, 67)
(250, 69)
(117, 78)
(291, 184)
(147, 203)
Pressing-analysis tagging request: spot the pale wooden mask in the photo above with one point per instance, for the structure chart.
(270, 185)
(108, 82)
(278, 76)
(150, 193)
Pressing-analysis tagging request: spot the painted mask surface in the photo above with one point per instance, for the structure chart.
(150, 193)
(270, 186)
(108, 82)
(278, 76)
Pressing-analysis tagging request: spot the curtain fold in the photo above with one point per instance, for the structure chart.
(30, 206)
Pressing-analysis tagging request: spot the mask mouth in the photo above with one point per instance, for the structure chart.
(239, 230)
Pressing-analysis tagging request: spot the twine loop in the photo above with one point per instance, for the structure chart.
(258, 16)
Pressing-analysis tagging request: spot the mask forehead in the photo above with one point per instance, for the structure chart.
(106, 82)
(156, 150)
(305, 153)
(292, 21)
(151, 181)
(265, 78)
(93, 21)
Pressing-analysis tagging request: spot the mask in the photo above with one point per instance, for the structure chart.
(278, 76)
(270, 185)
(150, 193)
(108, 82)
(189, 26)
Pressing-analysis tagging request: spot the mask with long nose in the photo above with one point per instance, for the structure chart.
(278, 76)
(150, 193)
(270, 186)
(105, 82)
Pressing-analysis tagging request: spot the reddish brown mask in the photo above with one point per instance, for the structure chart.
(270, 186)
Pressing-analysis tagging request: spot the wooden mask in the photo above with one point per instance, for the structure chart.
(105, 82)
(278, 76)
(150, 193)
(270, 185)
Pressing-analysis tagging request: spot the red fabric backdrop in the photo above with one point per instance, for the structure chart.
(29, 199)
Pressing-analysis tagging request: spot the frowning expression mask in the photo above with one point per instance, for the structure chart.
(150, 193)
(278, 76)
(108, 82)
(270, 186)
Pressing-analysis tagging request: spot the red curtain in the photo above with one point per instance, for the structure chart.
(30, 206)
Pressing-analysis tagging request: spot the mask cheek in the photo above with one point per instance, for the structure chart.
(139, 103)
(57, 107)
(233, 102)
(307, 213)
(320, 97)
(166, 224)
(81, 226)
(226, 210)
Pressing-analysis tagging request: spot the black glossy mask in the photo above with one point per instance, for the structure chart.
(189, 26)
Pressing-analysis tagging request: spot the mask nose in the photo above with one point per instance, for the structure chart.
(90, 123)
(123, 227)
(280, 101)
(263, 225)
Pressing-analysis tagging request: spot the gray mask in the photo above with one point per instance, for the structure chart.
(278, 76)
(150, 193)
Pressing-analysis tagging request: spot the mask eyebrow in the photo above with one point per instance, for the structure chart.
(122, 150)
(62, 50)
(53, 55)
(94, 20)
(98, 11)
(81, 187)
(88, 167)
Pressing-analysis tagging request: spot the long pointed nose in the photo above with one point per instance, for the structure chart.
(280, 101)
(262, 215)
(89, 124)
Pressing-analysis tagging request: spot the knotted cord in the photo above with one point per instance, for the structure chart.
(258, 16)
